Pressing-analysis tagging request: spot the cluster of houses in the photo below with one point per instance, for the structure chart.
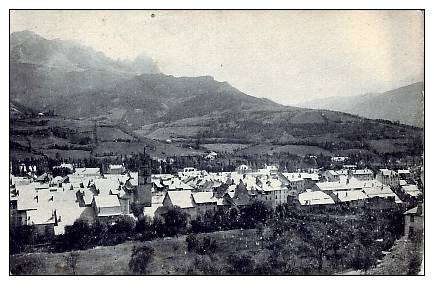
(51, 203)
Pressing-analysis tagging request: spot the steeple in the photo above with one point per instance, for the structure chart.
(144, 195)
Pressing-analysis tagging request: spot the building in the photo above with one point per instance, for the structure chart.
(404, 174)
(388, 177)
(331, 175)
(338, 159)
(205, 201)
(274, 193)
(362, 174)
(87, 172)
(299, 181)
(144, 185)
(352, 198)
(116, 169)
(414, 220)
(316, 198)
(411, 190)
(211, 156)
(182, 199)
(107, 205)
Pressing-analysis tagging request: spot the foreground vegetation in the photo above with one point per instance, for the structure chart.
(285, 242)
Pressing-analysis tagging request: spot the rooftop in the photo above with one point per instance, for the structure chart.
(315, 198)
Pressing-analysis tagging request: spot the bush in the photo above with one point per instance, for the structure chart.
(241, 264)
(25, 265)
(192, 242)
(140, 259)
(123, 224)
(208, 246)
(205, 265)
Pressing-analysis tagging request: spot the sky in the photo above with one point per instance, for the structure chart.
(287, 56)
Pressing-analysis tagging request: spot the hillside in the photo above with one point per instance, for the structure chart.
(404, 104)
(78, 84)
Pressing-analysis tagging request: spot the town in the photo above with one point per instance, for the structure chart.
(50, 206)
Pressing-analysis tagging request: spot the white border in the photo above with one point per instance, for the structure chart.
(210, 285)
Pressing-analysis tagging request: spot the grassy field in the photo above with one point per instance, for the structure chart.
(224, 147)
(171, 255)
(300, 150)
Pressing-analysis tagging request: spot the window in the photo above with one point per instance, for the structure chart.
(411, 218)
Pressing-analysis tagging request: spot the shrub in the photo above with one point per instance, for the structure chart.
(192, 242)
(25, 265)
(140, 259)
(205, 265)
(241, 264)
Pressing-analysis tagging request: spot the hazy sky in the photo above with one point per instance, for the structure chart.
(287, 56)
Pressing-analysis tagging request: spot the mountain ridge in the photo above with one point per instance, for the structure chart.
(404, 104)
(184, 109)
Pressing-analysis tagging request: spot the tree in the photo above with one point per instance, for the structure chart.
(141, 257)
(123, 224)
(175, 220)
(78, 236)
(258, 211)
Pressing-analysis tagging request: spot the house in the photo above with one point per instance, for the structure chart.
(106, 205)
(211, 156)
(49, 209)
(316, 198)
(331, 175)
(348, 184)
(414, 220)
(411, 190)
(362, 174)
(156, 204)
(116, 169)
(339, 159)
(205, 201)
(352, 198)
(274, 193)
(87, 172)
(243, 169)
(182, 199)
(404, 174)
(381, 198)
(388, 177)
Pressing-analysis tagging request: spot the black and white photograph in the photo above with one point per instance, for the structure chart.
(216, 142)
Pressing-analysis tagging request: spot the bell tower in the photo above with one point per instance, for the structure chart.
(144, 194)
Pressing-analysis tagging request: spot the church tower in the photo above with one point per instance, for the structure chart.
(144, 194)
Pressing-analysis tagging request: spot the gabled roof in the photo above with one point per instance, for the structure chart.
(347, 196)
(182, 199)
(106, 201)
(204, 197)
(381, 191)
(416, 211)
(315, 198)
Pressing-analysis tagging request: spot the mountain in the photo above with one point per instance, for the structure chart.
(87, 88)
(404, 104)
(27, 47)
